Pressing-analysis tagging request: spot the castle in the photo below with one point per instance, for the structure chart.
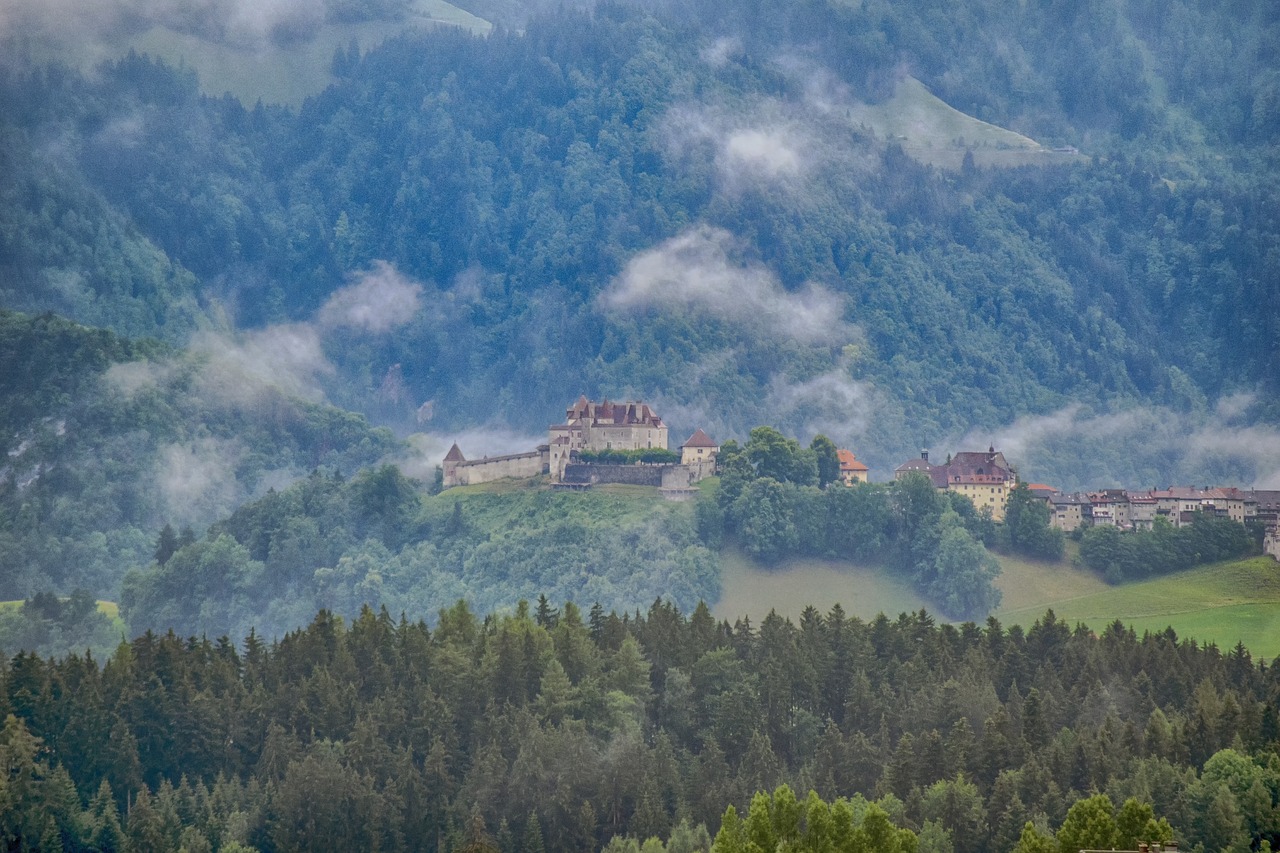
(593, 427)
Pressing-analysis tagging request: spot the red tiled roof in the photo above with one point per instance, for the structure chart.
(700, 439)
(455, 454)
(608, 412)
(849, 462)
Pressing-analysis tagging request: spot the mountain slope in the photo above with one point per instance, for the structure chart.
(630, 202)
(108, 440)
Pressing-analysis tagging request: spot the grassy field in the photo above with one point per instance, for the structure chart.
(279, 75)
(1223, 603)
(749, 589)
(933, 132)
(512, 502)
(289, 75)
(108, 608)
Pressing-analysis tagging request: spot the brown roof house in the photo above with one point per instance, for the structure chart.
(851, 470)
(985, 478)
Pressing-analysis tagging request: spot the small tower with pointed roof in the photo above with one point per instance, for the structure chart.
(450, 465)
(699, 448)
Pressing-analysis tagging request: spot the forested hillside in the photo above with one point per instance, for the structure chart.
(340, 544)
(109, 440)
(551, 729)
(682, 205)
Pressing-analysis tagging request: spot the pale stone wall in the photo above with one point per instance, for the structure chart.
(1271, 544)
(476, 471)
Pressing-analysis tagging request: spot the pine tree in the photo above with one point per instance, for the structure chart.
(532, 841)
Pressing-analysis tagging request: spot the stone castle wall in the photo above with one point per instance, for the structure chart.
(632, 475)
(475, 471)
(665, 476)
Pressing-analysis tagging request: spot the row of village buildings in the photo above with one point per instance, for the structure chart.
(988, 478)
(985, 477)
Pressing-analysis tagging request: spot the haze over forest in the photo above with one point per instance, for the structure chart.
(262, 261)
(693, 206)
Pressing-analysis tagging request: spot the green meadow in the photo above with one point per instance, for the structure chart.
(749, 589)
(274, 74)
(288, 75)
(1223, 603)
(933, 132)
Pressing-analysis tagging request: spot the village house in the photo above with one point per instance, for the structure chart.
(1266, 505)
(985, 478)
(1143, 509)
(698, 449)
(1110, 507)
(1070, 511)
(851, 470)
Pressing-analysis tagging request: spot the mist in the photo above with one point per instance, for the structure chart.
(1141, 447)
(699, 271)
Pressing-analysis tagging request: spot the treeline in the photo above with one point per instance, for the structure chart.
(769, 498)
(781, 821)
(551, 729)
(1132, 555)
(336, 543)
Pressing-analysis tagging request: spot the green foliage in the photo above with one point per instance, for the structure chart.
(1027, 520)
(781, 822)
(562, 732)
(1135, 274)
(1131, 555)
(339, 544)
(907, 523)
(109, 441)
(649, 456)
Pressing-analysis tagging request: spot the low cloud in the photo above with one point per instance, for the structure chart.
(427, 450)
(285, 358)
(832, 403)
(771, 152)
(696, 271)
(128, 379)
(719, 52)
(377, 301)
(1158, 446)
(751, 146)
(196, 480)
(240, 23)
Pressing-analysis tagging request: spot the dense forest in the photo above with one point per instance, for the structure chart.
(552, 729)
(678, 205)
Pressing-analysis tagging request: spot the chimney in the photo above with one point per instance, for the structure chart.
(924, 454)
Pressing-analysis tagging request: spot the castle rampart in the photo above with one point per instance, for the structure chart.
(517, 465)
